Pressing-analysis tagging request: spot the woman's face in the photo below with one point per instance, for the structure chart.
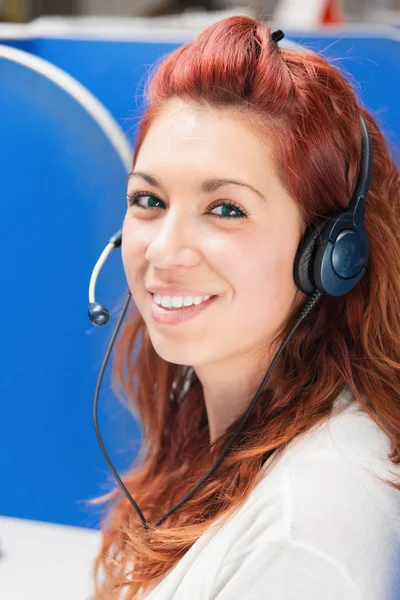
(195, 238)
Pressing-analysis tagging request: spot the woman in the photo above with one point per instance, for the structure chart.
(306, 503)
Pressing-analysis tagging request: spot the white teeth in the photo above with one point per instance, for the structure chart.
(166, 301)
(178, 301)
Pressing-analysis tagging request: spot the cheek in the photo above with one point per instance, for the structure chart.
(260, 275)
(255, 266)
(132, 251)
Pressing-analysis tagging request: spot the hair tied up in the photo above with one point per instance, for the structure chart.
(277, 35)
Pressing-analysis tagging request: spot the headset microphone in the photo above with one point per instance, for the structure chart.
(99, 314)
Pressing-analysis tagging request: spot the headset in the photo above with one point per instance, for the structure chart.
(333, 253)
(331, 259)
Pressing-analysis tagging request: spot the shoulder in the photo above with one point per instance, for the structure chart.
(336, 504)
(349, 443)
(340, 465)
(319, 523)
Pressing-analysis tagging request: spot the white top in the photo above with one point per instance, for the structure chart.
(319, 526)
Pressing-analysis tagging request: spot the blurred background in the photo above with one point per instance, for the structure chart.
(72, 75)
(25, 10)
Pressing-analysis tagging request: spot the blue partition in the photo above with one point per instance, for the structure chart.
(115, 71)
(113, 66)
(64, 162)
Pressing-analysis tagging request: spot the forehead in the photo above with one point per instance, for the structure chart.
(218, 141)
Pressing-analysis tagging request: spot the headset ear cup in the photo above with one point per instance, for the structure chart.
(303, 269)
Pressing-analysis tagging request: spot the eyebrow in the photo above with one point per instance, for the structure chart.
(210, 185)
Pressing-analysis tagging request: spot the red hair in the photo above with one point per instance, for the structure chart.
(309, 111)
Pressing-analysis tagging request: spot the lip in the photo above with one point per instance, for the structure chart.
(163, 316)
(175, 290)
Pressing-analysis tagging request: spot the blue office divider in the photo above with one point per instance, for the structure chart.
(114, 65)
(63, 167)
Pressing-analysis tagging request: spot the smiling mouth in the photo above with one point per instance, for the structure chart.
(200, 302)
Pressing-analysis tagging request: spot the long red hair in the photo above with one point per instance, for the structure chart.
(309, 110)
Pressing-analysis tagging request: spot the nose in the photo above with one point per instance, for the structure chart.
(174, 244)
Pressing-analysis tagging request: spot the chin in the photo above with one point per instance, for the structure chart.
(174, 351)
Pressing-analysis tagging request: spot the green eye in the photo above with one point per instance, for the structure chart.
(229, 210)
(134, 200)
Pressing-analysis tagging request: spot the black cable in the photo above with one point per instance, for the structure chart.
(315, 298)
(304, 313)
(96, 398)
